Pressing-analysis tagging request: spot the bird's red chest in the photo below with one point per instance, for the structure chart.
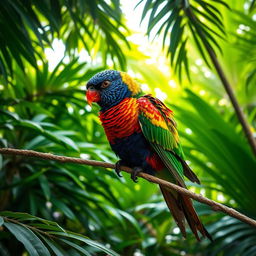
(121, 120)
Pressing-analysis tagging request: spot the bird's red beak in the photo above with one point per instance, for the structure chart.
(92, 95)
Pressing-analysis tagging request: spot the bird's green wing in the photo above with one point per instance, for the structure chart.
(159, 128)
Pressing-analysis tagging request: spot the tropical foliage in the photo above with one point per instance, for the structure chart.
(48, 208)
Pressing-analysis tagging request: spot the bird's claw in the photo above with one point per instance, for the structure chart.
(117, 168)
(135, 172)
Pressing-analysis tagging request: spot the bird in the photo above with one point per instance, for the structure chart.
(142, 132)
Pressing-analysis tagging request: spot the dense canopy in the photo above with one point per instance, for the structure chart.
(194, 55)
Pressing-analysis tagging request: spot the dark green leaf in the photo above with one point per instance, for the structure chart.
(31, 242)
(1, 221)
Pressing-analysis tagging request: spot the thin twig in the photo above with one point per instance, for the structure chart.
(215, 206)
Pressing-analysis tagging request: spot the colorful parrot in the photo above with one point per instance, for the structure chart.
(143, 134)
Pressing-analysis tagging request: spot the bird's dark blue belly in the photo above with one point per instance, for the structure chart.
(133, 151)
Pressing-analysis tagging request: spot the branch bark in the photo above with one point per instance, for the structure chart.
(215, 206)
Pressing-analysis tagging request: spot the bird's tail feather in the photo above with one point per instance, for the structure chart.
(182, 208)
(187, 171)
(175, 209)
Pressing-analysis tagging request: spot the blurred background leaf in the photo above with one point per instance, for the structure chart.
(30, 26)
(48, 51)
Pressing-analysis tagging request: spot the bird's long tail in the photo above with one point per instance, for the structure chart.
(182, 209)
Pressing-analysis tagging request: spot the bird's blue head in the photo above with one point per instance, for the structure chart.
(110, 87)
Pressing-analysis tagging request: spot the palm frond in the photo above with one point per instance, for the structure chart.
(181, 21)
(32, 26)
(44, 237)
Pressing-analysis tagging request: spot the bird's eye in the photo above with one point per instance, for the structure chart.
(105, 84)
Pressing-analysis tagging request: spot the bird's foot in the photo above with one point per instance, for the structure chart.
(117, 168)
(135, 172)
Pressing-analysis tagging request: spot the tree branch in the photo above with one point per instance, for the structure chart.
(215, 206)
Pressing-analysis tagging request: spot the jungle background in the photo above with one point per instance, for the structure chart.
(48, 51)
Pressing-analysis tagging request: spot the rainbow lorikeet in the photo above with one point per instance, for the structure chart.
(143, 133)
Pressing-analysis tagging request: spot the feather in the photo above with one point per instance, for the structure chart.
(175, 209)
(188, 172)
(181, 208)
(159, 128)
(192, 218)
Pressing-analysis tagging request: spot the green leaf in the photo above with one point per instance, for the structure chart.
(1, 162)
(12, 115)
(16, 214)
(25, 217)
(87, 241)
(132, 220)
(74, 178)
(69, 143)
(31, 124)
(54, 247)
(1, 221)
(77, 247)
(32, 243)
(48, 226)
(24, 181)
(45, 186)
(64, 208)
